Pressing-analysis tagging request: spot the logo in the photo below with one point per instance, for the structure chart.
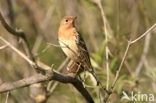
(138, 97)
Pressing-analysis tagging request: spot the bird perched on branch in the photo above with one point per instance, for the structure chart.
(74, 46)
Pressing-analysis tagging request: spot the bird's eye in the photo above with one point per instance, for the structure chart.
(66, 20)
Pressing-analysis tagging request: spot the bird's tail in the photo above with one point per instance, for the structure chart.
(91, 70)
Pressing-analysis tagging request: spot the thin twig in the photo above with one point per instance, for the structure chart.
(55, 45)
(144, 34)
(50, 86)
(106, 39)
(129, 44)
(17, 51)
(3, 47)
(7, 96)
(65, 46)
(44, 25)
(53, 87)
(125, 54)
(143, 56)
(123, 59)
(17, 33)
(49, 45)
(40, 64)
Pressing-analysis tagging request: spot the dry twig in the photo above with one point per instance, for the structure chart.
(3, 47)
(126, 52)
(106, 28)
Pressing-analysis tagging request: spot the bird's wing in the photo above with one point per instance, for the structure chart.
(84, 55)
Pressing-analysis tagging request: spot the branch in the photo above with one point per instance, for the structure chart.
(121, 64)
(17, 33)
(144, 34)
(11, 30)
(7, 96)
(17, 51)
(8, 86)
(129, 44)
(124, 57)
(3, 47)
(107, 31)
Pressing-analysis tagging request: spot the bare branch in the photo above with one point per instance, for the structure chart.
(52, 84)
(106, 38)
(3, 47)
(17, 33)
(144, 34)
(129, 44)
(7, 96)
(8, 86)
(107, 31)
(123, 59)
(55, 45)
(18, 52)
(144, 54)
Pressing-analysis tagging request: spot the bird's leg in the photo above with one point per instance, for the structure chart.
(79, 76)
(72, 68)
(78, 69)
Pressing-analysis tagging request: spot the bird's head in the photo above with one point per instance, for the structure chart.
(68, 22)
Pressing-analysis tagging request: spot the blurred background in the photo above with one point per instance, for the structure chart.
(39, 19)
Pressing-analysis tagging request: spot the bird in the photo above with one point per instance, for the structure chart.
(73, 45)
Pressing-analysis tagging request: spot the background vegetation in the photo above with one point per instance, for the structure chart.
(39, 19)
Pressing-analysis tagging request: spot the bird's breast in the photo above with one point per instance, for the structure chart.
(69, 47)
